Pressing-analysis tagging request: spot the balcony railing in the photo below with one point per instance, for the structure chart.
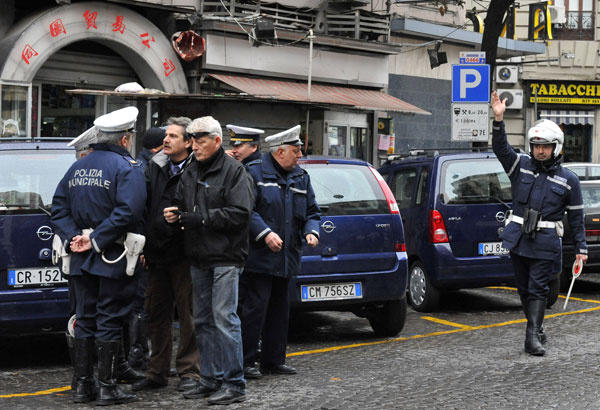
(356, 24)
(579, 26)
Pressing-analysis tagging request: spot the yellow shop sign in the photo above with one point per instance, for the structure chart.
(564, 92)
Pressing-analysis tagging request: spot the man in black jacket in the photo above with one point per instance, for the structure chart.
(170, 283)
(213, 204)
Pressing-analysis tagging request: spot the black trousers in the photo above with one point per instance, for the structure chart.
(265, 310)
(102, 305)
(532, 276)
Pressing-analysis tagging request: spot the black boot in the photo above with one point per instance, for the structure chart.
(109, 392)
(139, 350)
(84, 389)
(71, 347)
(536, 309)
(125, 374)
(542, 335)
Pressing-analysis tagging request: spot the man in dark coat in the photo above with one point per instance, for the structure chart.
(170, 283)
(213, 204)
(285, 213)
(99, 200)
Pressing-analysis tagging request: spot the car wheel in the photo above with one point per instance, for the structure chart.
(389, 320)
(423, 296)
(553, 292)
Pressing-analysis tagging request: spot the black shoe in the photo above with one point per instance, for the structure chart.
(186, 383)
(200, 391)
(252, 373)
(278, 369)
(147, 384)
(226, 396)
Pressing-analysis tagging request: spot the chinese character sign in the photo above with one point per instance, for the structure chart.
(27, 53)
(57, 27)
(118, 25)
(146, 41)
(169, 67)
(90, 18)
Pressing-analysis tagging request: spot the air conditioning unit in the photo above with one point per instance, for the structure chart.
(507, 74)
(514, 98)
(557, 14)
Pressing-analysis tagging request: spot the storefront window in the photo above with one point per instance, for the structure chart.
(64, 115)
(336, 136)
(13, 111)
(577, 143)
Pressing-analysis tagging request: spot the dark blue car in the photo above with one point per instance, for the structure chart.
(33, 295)
(453, 207)
(360, 263)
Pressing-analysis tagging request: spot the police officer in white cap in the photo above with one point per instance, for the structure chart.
(245, 143)
(99, 200)
(285, 216)
(542, 190)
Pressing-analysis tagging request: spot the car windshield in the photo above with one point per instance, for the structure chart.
(477, 181)
(591, 195)
(29, 178)
(346, 189)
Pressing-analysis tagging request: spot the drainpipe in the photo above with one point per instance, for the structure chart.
(310, 53)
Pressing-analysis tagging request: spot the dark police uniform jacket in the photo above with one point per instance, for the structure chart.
(222, 197)
(285, 206)
(164, 241)
(104, 191)
(550, 190)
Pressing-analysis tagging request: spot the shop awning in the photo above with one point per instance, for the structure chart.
(328, 94)
(567, 117)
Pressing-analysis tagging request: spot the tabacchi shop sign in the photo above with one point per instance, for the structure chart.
(564, 92)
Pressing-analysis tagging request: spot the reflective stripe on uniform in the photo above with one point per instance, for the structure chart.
(573, 207)
(559, 182)
(268, 184)
(300, 191)
(512, 169)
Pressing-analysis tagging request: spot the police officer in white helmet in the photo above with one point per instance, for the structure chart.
(542, 191)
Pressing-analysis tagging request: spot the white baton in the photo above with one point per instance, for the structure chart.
(577, 268)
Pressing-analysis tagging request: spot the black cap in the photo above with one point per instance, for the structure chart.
(153, 137)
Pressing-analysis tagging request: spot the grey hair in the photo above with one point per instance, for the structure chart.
(112, 137)
(206, 124)
(183, 122)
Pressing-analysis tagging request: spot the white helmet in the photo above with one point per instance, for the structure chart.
(545, 132)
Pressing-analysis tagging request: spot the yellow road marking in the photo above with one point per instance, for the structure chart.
(37, 393)
(446, 322)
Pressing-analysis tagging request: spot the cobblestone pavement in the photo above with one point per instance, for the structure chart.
(468, 355)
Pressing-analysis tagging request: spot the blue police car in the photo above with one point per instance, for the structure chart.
(360, 263)
(453, 206)
(33, 295)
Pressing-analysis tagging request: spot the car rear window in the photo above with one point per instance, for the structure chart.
(346, 189)
(591, 195)
(29, 178)
(474, 181)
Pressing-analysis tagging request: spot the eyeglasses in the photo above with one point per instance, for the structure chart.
(197, 135)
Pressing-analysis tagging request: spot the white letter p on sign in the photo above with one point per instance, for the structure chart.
(464, 84)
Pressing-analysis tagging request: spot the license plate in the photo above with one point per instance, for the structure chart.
(331, 291)
(34, 277)
(492, 248)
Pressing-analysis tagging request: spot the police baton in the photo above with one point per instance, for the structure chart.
(577, 268)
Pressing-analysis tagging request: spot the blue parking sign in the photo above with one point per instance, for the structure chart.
(470, 83)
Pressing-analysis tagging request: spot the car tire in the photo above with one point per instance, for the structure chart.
(553, 292)
(389, 320)
(423, 296)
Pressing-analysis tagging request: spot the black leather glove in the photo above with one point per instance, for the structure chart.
(191, 221)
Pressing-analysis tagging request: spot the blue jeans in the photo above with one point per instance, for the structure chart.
(217, 327)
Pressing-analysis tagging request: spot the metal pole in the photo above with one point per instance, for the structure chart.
(310, 53)
(535, 103)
